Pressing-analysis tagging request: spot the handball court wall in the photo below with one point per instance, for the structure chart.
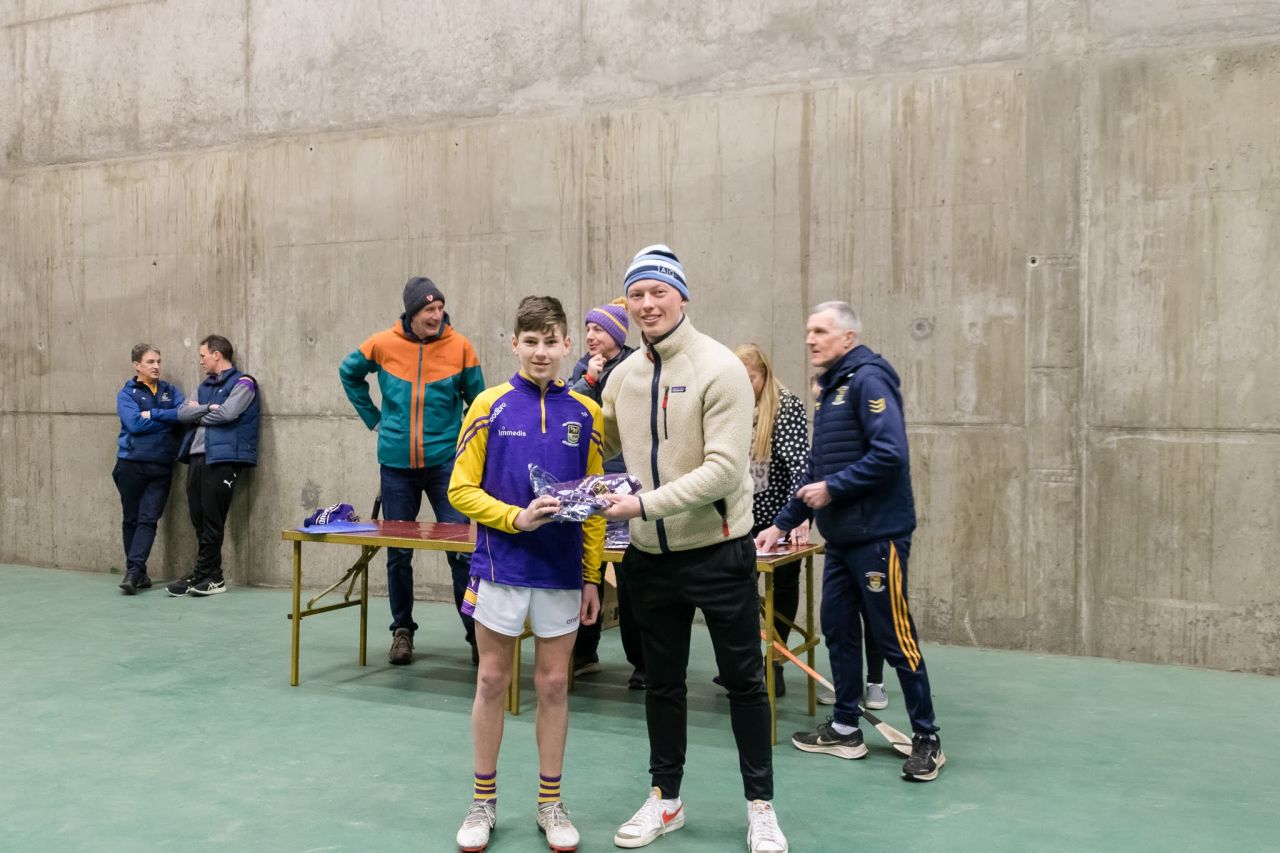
(1059, 220)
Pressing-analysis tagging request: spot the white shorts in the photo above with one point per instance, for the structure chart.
(551, 612)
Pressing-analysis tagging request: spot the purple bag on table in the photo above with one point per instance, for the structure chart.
(581, 498)
(338, 518)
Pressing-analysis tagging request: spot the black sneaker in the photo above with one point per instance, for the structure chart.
(926, 758)
(142, 582)
(827, 739)
(208, 587)
(401, 647)
(181, 588)
(127, 586)
(637, 681)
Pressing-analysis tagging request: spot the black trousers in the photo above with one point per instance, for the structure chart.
(210, 489)
(586, 646)
(144, 490)
(720, 580)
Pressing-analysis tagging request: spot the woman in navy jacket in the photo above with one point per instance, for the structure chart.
(147, 448)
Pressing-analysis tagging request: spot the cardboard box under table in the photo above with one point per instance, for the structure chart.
(426, 536)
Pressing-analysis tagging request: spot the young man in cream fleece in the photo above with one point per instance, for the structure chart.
(680, 412)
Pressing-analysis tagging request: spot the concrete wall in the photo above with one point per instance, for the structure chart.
(1061, 221)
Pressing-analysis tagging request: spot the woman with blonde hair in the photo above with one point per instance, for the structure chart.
(779, 452)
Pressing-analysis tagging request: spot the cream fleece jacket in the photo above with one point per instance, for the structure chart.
(680, 412)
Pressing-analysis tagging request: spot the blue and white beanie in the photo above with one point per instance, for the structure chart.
(656, 263)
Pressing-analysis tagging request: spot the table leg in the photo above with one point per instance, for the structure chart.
(297, 612)
(364, 604)
(770, 677)
(809, 629)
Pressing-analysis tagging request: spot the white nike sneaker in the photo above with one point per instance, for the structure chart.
(481, 817)
(553, 820)
(650, 822)
(763, 832)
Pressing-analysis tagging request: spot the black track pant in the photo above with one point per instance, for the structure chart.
(210, 489)
(719, 580)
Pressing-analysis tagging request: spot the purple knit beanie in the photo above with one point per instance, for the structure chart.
(612, 318)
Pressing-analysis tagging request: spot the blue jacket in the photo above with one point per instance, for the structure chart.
(236, 442)
(507, 428)
(154, 438)
(860, 449)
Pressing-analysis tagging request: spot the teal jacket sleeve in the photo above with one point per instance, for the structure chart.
(352, 371)
(472, 384)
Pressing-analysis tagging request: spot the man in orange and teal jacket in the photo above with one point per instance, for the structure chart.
(428, 375)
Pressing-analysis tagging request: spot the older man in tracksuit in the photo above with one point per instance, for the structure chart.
(145, 452)
(859, 488)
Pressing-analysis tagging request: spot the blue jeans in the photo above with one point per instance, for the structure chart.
(871, 580)
(402, 490)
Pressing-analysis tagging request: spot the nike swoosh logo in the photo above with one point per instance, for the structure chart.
(667, 816)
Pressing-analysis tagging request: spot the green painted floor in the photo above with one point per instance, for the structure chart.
(152, 723)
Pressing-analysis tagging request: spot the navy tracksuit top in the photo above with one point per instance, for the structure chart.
(860, 449)
(151, 439)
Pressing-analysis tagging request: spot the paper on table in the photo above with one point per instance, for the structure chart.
(782, 546)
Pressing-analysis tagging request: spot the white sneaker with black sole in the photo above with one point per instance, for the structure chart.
(208, 587)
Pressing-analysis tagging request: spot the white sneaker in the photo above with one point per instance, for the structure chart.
(553, 820)
(826, 697)
(875, 699)
(763, 833)
(651, 821)
(481, 818)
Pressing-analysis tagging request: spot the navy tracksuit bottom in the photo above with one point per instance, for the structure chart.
(870, 580)
(144, 491)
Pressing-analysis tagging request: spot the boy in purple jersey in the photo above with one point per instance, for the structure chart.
(526, 567)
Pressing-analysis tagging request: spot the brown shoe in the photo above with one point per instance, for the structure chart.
(401, 647)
